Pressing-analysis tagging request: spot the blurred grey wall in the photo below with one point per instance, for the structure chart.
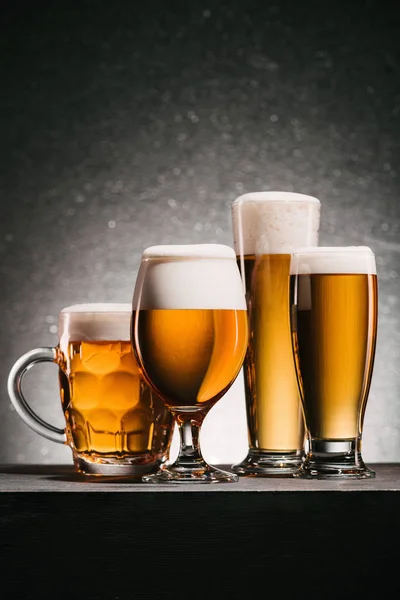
(126, 124)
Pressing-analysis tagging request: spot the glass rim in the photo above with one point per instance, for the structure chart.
(332, 250)
(189, 251)
(277, 197)
(97, 308)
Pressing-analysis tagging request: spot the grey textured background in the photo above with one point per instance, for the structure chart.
(129, 124)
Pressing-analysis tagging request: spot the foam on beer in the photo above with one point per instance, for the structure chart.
(274, 222)
(193, 276)
(95, 322)
(333, 260)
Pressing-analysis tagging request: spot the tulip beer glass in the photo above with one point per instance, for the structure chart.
(189, 333)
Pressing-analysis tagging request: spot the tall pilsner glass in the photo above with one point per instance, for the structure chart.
(334, 303)
(267, 227)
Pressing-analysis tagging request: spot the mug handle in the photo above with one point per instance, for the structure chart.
(14, 386)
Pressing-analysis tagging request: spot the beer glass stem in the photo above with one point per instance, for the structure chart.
(189, 448)
(190, 466)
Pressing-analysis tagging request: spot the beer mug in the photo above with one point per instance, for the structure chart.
(334, 313)
(267, 227)
(115, 424)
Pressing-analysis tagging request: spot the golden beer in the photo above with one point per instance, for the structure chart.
(189, 333)
(267, 227)
(334, 314)
(191, 356)
(114, 423)
(334, 341)
(109, 409)
(273, 402)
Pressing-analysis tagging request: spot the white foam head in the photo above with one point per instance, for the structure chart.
(202, 276)
(274, 222)
(95, 322)
(335, 260)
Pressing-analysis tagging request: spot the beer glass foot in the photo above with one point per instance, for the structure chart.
(330, 459)
(114, 468)
(204, 473)
(270, 464)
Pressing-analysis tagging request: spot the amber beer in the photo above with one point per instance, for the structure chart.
(275, 425)
(267, 227)
(335, 345)
(112, 415)
(109, 409)
(191, 356)
(334, 298)
(189, 334)
(115, 424)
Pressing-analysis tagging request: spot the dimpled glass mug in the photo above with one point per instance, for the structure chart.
(115, 424)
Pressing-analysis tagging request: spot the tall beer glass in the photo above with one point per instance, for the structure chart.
(267, 227)
(334, 301)
(189, 333)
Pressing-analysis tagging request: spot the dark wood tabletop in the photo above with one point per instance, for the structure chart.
(63, 535)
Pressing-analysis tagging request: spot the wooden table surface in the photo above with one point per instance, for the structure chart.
(67, 536)
(62, 478)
